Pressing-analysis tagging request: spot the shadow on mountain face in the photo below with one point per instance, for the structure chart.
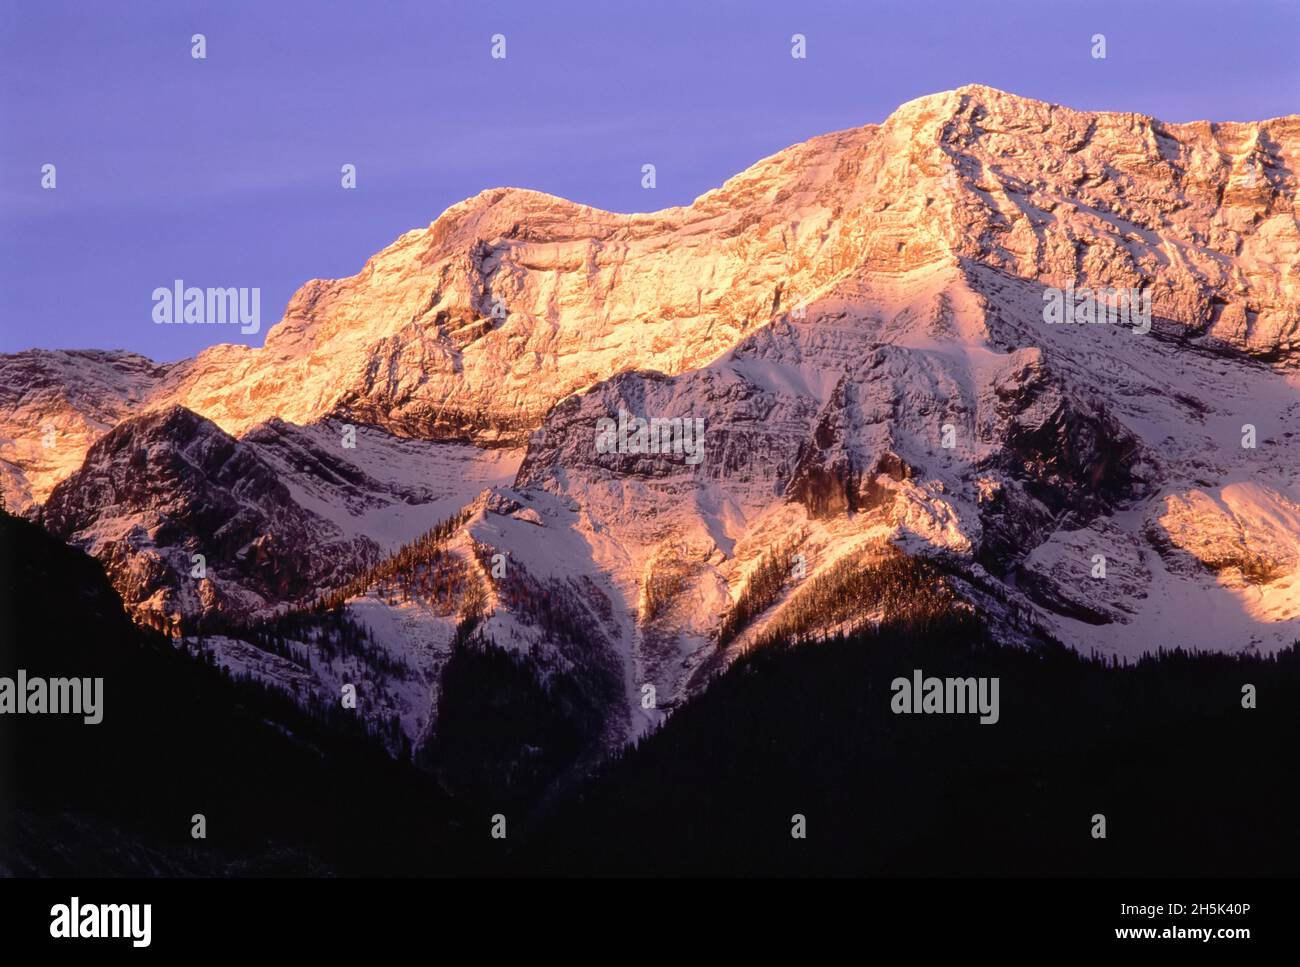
(177, 738)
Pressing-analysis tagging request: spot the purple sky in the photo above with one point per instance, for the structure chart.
(225, 171)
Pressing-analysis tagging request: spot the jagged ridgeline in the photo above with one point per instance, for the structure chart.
(859, 322)
(865, 324)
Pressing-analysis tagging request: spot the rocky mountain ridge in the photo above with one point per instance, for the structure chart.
(857, 320)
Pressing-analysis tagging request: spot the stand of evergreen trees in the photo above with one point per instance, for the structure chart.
(852, 591)
(765, 585)
(891, 586)
(1191, 782)
(418, 569)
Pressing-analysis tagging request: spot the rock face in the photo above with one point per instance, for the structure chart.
(54, 405)
(277, 517)
(187, 520)
(857, 327)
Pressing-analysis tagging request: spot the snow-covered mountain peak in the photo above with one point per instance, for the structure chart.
(855, 331)
(472, 328)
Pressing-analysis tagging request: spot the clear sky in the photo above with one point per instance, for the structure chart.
(226, 171)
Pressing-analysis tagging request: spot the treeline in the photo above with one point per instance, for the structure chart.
(512, 723)
(332, 634)
(852, 591)
(1192, 779)
(285, 646)
(764, 586)
(507, 726)
(420, 569)
(310, 713)
(554, 607)
(663, 583)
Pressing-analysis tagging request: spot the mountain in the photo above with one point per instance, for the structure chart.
(857, 333)
(190, 521)
(1201, 212)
